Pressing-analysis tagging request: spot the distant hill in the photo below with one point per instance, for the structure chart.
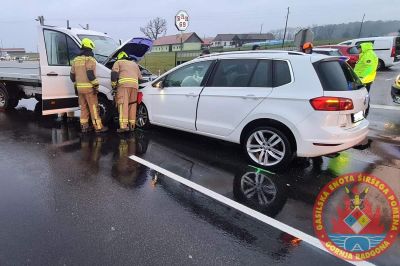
(346, 30)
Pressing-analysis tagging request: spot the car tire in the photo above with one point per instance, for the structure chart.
(4, 98)
(106, 109)
(142, 117)
(270, 141)
(381, 65)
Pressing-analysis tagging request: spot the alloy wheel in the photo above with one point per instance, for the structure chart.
(266, 147)
(142, 116)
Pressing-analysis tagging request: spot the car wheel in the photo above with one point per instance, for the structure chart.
(381, 65)
(4, 98)
(268, 147)
(142, 117)
(105, 110)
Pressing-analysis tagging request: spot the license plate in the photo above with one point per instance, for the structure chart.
(357, 117)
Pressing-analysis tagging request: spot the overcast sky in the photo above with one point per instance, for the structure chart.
(122, 19)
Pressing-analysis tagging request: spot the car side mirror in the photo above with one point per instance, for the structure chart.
(160, 84)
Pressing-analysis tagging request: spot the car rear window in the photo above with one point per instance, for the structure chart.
(337, 76)
(397, 44)
(281, 73)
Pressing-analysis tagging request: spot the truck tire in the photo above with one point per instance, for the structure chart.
(12, 103)
(4, 98)
(381, 65)
(106, 109)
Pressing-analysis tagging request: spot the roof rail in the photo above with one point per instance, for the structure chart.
(253, 52)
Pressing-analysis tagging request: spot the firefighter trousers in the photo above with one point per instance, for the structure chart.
(89, 108)
(126, 102)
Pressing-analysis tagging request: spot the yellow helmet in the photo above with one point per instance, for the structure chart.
(397, 82)
(122, 55)
(88, 43)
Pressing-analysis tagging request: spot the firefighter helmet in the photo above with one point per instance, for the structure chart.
(122, 55)
(88, 43)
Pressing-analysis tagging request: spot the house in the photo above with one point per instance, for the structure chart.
(207, 42)
(237, 40)
(190, 41)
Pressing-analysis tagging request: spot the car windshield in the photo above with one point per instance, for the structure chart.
(104, 46)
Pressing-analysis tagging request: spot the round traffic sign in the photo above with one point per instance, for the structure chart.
(182, 20)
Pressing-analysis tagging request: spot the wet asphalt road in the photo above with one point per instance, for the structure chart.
(68, 200)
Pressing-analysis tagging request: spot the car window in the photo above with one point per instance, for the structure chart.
(335, 53)
(60, 48)
(281, 73)
(233, 73)
(352, 50)
(321, 52)
(337, 76)
(371, 41)
(188, 76)
(346, 43)
(262, 76)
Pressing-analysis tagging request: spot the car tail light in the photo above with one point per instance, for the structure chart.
(393, 54)
(332, 104)
(139, 97)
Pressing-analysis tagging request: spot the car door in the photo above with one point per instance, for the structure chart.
(174, 102)
(57, 50)
(236, 87)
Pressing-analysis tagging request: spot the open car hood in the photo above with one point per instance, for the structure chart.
(136, 48)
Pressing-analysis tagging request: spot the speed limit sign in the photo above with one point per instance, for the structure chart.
(181, 20)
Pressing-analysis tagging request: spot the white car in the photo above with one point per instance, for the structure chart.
(327, 51)
(276, 104)
(386, 48)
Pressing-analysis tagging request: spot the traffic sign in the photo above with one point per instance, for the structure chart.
(182, 20)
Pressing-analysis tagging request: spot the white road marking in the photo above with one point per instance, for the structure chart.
(250, 212)
(385, 107)
(389, 79)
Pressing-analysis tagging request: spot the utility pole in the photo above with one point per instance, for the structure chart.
(362, 22)
(284, 34)
(261, 28)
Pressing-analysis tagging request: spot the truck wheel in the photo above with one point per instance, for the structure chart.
(12, 103)
(268, 147)
(4, 98)
(106, 109)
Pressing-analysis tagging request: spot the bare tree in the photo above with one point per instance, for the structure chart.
(155, 28)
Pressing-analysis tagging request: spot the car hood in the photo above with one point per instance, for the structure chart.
(136, 48)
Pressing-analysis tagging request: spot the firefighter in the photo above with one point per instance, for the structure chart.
(83, 75)
(307, 48)
(125, 78)
(367, 64)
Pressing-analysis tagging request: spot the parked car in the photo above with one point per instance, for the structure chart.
(347, 50)
(386, 48)
(396, 90)
(327, 51)
(276, 104)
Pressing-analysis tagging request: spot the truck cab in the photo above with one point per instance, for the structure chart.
(59, 46)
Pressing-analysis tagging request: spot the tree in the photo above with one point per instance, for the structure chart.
(155, 28)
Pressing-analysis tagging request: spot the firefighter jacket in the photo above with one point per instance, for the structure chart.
(125, 74)
(83, 73)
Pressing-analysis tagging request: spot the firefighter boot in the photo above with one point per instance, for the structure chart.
(101, 130)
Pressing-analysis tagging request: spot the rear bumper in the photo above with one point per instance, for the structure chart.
(333, 140)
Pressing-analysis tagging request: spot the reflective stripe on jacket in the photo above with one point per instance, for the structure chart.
(128, 73)
(80, 67)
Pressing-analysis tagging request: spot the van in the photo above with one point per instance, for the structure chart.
(386, 48)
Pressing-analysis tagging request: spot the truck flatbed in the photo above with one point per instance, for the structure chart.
(26, 72)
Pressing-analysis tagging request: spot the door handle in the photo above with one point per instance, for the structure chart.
(250, 96)
(52, 74)
(191, 94)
